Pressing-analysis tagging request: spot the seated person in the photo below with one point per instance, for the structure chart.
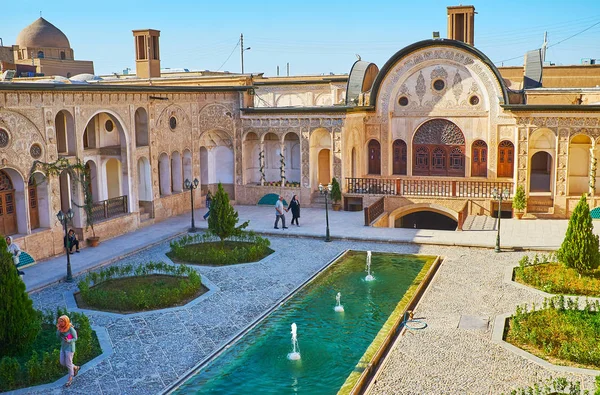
(72, 239)
(15, 251)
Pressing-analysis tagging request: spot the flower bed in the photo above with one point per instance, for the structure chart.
(40, 363)
(153, 285)
(548, 276)
(560, 332)
(206, 249)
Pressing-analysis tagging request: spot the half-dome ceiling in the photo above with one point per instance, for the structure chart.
(42, 34)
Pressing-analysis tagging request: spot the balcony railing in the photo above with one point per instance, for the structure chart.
(374, 211)
(422, 187)
(109, 208)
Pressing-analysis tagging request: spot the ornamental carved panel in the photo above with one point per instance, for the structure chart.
(439, 131)
(17, 135)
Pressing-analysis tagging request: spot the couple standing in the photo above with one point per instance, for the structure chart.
(294, 206)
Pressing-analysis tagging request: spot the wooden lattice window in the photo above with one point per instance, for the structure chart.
(457, 159)
(438, 159)
(422, 158)
(5, 182)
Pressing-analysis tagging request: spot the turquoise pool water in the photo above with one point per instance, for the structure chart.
(331, 343)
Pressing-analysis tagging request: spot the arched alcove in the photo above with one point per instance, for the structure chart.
(251, 148)
(39, 185)
(141, 127)
(113, 178)
(291, 143)
(541, 172)
(66, 141)
(164, 174)
(144, 180)
(13, 216)
(92, 173)
(176, 174)
(272, 150)
(187, 166)
(579, 164)
(204, 169)
(320, 157)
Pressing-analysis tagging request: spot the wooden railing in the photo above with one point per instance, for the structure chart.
(423, 187)
(374, 211)
(109, 208)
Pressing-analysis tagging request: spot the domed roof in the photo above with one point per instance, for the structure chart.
(42, 34)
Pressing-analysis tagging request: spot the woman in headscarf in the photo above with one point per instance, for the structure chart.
(68, 336)
(14, 249)
(295, 207)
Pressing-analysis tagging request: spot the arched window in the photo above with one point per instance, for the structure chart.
(399, 158)
(8, 212)
(506, 152)
(62, 55)
(374, 157)
(445, 142)
(479, 159)
(40, 54)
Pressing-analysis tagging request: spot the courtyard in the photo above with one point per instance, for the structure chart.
(153, 350)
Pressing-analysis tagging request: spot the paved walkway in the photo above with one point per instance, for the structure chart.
(527, 234)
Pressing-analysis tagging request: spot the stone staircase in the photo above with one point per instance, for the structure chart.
(540, 206)
(145, 217)
(318, 201)
(480, 222)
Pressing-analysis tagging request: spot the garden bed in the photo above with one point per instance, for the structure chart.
(554, 278)
(39, 364)
(147, 287)
(205, 250)
(560, 332)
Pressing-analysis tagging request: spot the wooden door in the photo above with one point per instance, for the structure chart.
(324, 173)
(506, 151)
(399, 159)
(8, 212)
(374, 157)
(34, 217)
(479, 159)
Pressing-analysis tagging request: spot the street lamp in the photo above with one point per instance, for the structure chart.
(326, 191)
(499, 196)
(64, 219)
(191, 186)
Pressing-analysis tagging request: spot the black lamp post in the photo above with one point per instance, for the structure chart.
(191, 186)
(499, 195)
(64, 220)
(326, 191)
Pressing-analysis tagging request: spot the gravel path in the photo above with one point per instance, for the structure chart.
(153, 350)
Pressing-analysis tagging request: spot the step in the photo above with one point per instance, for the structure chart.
(144, 216)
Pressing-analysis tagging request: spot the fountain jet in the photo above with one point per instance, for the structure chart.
(338, 307)
(369, 276)
(295, 354)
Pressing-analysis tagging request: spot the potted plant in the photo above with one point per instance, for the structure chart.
(519, 202)
(336, 195)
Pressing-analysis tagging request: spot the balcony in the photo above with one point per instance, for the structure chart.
(426, 187)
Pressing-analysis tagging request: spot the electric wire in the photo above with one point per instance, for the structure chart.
(232, 51)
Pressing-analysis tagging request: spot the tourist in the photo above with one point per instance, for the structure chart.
(15, 251)
(208, 204)
(71, 239)
(279, 213)
(68, 336)
(295, 207)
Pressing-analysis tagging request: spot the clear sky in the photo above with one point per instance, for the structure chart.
(315, 37)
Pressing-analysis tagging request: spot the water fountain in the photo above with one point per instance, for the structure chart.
(295, 354)
(369, 275)
(338, 307)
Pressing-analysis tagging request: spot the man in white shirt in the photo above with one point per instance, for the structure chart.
(279, 213)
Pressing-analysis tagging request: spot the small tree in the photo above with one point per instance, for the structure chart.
(579, 249)
(519, 200)
(336, 192)
(223, 218)
(20, 321)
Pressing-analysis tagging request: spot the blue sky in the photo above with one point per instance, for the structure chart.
(315, 37)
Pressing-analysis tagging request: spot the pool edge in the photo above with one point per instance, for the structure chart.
(368, 367)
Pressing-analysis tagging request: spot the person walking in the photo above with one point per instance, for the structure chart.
(68, 336)
(279, 213)
(208, 203)
(295, 207)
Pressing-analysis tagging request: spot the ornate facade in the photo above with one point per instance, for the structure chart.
(437, 130)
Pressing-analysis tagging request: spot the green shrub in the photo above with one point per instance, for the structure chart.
(559, 330)
(554, 386)
(131, 297)
(336, 192)
(34, 368)
(223, 218)
(20, 321)
(207, 249)
(579, 249)
(9, 373)
(519, 201)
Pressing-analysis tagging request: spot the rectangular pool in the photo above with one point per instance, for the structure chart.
(331, 343)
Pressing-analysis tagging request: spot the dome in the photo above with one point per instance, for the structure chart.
(42, 34)
(85, 77)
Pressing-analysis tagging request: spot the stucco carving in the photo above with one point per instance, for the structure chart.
(22, 134)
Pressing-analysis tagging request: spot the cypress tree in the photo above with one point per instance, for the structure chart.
(223, 218)
(579, 249)
(20, 322)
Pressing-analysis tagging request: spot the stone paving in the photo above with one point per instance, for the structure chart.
(152, 350)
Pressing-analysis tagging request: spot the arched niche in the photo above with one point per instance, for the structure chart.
(251, 148)
(541, 172)
(141, 127)
(66, 141)
(13, 216)
(113, 178)
(579, 164)
(176, 173)
(40, 215)
(291, 153)
(92, 172)
(144, 179)
(272, 150)
(187, 166)
(164, 174)
(320, 157)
